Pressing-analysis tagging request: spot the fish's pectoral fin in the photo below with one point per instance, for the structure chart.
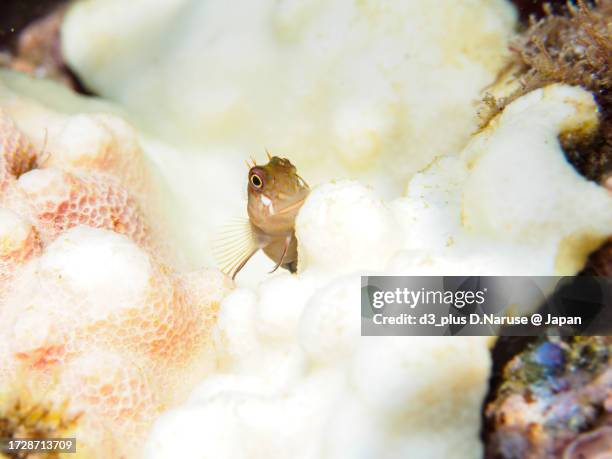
(235, 270)
(236, 245)
(282, 257)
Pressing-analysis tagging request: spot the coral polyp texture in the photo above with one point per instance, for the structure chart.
(94, 314)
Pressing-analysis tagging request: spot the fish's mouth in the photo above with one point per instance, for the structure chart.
(291, 207)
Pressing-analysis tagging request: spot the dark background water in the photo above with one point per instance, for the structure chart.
(16, 14)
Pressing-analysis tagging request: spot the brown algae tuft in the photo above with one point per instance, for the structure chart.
(571, 46)
(23, 417)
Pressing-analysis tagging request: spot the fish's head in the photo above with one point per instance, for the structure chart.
(276, 193)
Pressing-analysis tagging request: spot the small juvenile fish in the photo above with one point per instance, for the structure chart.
(275, 194)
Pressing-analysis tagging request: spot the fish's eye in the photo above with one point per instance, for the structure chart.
(256, 181)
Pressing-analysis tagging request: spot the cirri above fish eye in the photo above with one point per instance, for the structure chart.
(275, 195)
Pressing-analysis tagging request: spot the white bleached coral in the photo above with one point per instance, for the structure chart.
(514, 203)
(343, 226)
(343, 86)
(325, 391)
(524, 195)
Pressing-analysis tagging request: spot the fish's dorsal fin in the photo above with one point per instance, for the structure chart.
(236, 244)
